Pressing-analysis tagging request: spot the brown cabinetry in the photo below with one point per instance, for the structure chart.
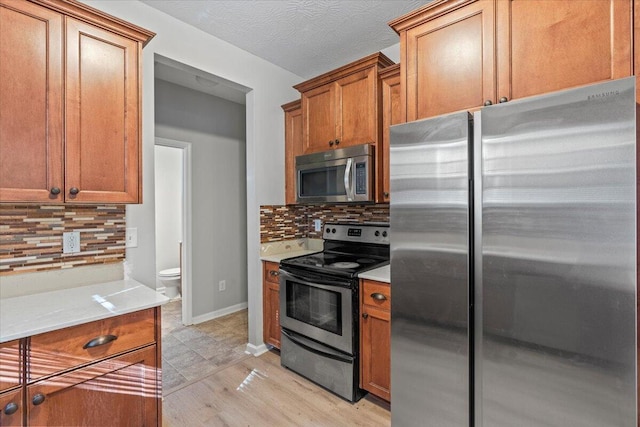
(463, 54)
(391, 94)
(105, 372)
(119, 391)
(11, 408)
(340, 108)
(11, 370)
(271, 304)
(292, 147)
(375, 338)
(62, 53)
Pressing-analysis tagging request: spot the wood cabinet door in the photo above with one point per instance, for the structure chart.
(319, 118)
(11, 368)
(375, 344)
(102, 101)
(391, 115)
(293, 147)
(31, 86)
(450, 61)
(356, 109)
(271, 304)
(544, 46)
(11, 401)
(122, 391)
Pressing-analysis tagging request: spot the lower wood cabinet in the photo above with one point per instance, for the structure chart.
(375, 338)
(121, 391)
(271, 304)
(101, 373)
(11, 408)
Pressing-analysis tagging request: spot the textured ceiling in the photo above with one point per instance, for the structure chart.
(306, 37)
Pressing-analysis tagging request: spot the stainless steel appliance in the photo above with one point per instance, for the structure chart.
(513, 263)
(341, 175)
(319, 308)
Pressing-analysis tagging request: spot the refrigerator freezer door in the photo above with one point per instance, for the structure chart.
(558, 259)
(429, 272)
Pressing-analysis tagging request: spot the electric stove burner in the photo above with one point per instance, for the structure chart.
(345, 265)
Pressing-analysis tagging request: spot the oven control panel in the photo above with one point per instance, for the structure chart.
(365, 233)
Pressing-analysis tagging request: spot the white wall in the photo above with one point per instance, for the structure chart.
(216, 129)
(168, 193)
(271, 86)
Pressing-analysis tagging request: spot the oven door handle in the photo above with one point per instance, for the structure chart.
(320, 281)
(313, 347)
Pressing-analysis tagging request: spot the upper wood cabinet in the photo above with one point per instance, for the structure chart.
(391, 96)
(292, 147)
(341, 108)
(463, 54)
(62, 53)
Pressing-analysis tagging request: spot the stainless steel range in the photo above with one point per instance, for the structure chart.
(319, 307)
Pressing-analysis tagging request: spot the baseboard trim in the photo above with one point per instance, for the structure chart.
(256, 350)
(219, 313)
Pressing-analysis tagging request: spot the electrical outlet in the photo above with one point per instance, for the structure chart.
(317, 224)
(71, 242)
(131, 238)
(222, 285)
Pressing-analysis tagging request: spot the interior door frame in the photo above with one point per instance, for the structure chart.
(186, 255)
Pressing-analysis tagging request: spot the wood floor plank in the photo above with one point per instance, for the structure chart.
(259, 392)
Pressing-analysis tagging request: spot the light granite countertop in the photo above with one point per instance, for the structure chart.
(28, 315)
(380, 274)
(277, 251)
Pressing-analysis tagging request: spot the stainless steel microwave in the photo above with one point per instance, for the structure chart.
(338, 176)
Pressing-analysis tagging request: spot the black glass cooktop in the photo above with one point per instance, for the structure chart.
(337, 263)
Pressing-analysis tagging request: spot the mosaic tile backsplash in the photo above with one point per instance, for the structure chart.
(296, 221)
(31, 236)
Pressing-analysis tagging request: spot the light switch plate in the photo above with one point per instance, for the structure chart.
(71, 242)
(131, 237)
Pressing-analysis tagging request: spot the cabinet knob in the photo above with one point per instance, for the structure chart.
(386, 195)
(38, 399)
(378, 296)
(11, 408)
(74, 190)
(365, 315)
(330, 143)
(487, 103)
(337, 141)
(504, 99)
(55, 190)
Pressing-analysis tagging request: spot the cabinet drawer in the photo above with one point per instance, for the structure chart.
(10, 365)
(272, 272)
(376, 294)
(66, 348)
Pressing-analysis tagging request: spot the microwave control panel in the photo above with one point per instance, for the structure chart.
(361, 178)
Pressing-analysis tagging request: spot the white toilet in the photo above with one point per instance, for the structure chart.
(170, 278)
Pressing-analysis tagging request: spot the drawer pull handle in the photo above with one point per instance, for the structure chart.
(378, 296)
(11, 408)
(38, 399)
(101, 340)
(274, 273)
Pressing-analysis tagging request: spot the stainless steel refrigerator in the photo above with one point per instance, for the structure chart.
(513, 263)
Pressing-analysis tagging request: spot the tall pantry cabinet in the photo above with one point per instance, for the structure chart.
(70, 104)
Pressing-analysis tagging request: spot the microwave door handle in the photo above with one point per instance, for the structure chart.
(347, 179)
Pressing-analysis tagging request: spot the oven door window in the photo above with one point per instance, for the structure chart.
(326, 181)
(317, 307)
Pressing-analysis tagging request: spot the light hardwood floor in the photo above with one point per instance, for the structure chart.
(208, 381)
(257, 391)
